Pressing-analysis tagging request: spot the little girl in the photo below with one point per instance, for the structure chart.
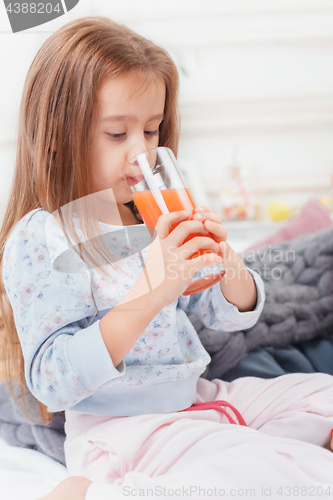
(122, 359)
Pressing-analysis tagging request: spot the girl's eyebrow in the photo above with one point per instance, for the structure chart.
(118, 118)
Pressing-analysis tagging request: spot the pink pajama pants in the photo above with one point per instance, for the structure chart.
(199, 454)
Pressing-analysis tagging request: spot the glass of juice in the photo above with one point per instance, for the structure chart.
(158, 187)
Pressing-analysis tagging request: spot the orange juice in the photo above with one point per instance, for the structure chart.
(175, 200)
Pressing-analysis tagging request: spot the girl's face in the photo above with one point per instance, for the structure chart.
(128, 124)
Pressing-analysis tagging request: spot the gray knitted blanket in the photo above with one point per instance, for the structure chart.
(19, 430)
(298, 277)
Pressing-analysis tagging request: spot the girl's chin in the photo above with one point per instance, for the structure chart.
(121, 200)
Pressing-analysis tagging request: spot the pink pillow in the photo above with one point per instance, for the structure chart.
(314, 217)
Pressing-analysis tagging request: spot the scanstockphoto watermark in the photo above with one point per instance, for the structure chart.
(188, 492)
(269, 263)
(261, 491)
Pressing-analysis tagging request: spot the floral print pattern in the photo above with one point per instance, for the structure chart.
(50, 307)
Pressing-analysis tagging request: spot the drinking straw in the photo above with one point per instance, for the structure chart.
(146, 170)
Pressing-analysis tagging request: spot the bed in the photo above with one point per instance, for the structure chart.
(27, 473)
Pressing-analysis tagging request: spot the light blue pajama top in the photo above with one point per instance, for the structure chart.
(57, 315)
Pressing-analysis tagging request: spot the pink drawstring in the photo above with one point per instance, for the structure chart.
(217, 405)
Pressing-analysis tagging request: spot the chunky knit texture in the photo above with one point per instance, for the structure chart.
(298, 278)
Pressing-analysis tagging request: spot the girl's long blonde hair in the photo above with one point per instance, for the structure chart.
(59, 107)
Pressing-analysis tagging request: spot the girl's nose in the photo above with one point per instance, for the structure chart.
(132, 170)
(139, 145)
(137, 165)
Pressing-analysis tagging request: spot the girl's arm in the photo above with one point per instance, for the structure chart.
(237, 285)
(165, 277)
(236, 302)
(167, 269)
(217, 313)
(125, 323)
(67, 355)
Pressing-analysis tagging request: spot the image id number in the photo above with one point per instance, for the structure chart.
(304, 491)
(33, 8)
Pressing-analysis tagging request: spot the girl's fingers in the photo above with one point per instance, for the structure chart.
(184, 230)
(166, 221)
(216, 229)
(198, 243)
(202, 216)
(204, 260)
(202, 208)
(224, 250)
(208, 225)
(213, 223)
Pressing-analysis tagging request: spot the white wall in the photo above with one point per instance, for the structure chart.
(256, 74)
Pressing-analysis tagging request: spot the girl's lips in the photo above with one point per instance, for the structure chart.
(134, 180)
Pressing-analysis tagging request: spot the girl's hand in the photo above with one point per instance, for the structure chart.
(237, 285)
(213, 223)
(169, 265)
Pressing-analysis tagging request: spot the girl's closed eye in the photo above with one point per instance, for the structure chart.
(152, 132)
(122, 135)
(115, 136)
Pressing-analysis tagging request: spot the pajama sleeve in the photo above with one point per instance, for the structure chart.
(65, 356)
(215, 312)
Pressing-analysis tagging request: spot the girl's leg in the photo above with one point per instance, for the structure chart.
(238, 462)
(275, 470)
(186, 451)
(72, 488)
(297, 405)
(194, 449)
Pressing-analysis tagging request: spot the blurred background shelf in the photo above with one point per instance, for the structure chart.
(254, 74)
(242, 234)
